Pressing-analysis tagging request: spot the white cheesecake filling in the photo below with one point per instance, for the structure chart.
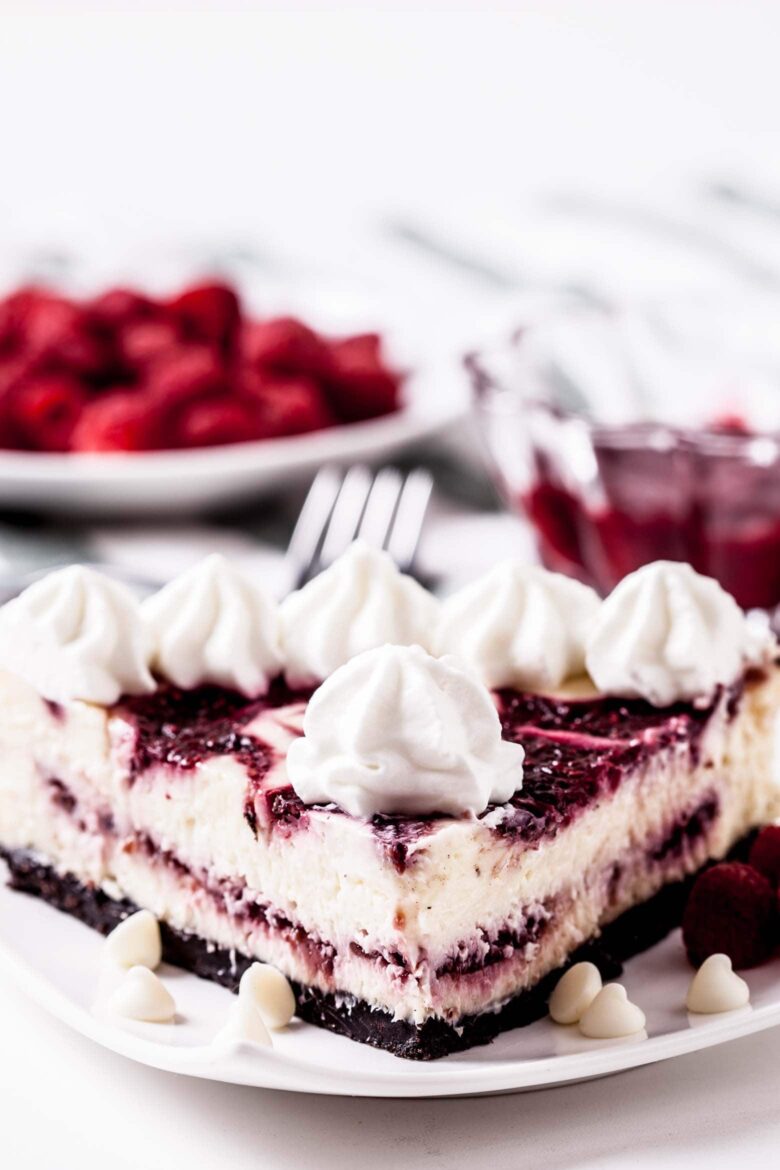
(463, 884)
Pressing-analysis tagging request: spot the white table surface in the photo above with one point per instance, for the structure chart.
(66, 1103)
(125, 133)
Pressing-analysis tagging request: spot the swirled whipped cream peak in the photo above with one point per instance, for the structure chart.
(397, 731)
(667, 633)
(360, 602)
(77, 634)
(214, 624)
(519, 626)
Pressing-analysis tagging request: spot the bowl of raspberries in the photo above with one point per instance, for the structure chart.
(128, 399)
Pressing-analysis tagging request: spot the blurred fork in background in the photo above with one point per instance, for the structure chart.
(386, 509)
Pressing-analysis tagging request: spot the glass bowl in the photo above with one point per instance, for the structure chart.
(636, 435)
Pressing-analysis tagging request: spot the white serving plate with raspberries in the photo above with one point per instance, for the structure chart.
(56, 960)
(122, 401)
(170, 482)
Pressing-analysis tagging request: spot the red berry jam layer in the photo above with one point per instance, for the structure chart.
(182, 728)
(576, 751)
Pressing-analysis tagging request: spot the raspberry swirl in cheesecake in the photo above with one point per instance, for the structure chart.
(419, 842)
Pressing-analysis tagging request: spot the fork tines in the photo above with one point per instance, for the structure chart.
(386, 509)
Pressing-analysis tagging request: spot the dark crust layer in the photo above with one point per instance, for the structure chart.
(635, 931)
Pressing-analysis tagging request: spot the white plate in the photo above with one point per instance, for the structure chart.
(56, 960)
(184, 481)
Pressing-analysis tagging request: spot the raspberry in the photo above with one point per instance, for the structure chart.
(361, 386)
(12, 374)
(731, 909)
(15, 311)
(125, 372)
(208, 313)
(54, 332)
(211, 422)
(122, 306)
(286, 346)
(765, 854)
(141, 343)
(730, 423)
(45, 411)
(12, 313)
(119, 421)
(16, 370)
(185, 373)
(287, 406)
(191, 374)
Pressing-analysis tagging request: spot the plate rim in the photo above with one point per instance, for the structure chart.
(273, 1069)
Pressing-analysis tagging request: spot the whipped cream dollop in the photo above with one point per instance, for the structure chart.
(361, 601)
(667, 633)
(398, 731)
(213, 624)
(519, 626)
(77, 634)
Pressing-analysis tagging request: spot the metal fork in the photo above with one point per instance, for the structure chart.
(386, 509)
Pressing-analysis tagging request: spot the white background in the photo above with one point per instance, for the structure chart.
(302, 130)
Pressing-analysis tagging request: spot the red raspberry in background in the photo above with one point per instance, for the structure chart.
(140, 343)
(732, 909)
(360, 386)
(45, 410)
(118, 307)
(54, 332)
(256, 379)
(765, 854)
(9, 439)
(14, 313)
(183, 377)
(11, 316)
(730, 424)
(286, 346)
(186, 373)
(287, 406)
(13, 371)
(208, 313)
(121, 420)
(209, 422)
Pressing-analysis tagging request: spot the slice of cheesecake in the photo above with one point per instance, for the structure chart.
(422, 935)
(403, 927)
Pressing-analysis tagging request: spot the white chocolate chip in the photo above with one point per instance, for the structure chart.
(142, 996)
(244, 1023)
(270, 992)
(135, 942)
(716, 987)
(575, 992)
(612, 1015)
